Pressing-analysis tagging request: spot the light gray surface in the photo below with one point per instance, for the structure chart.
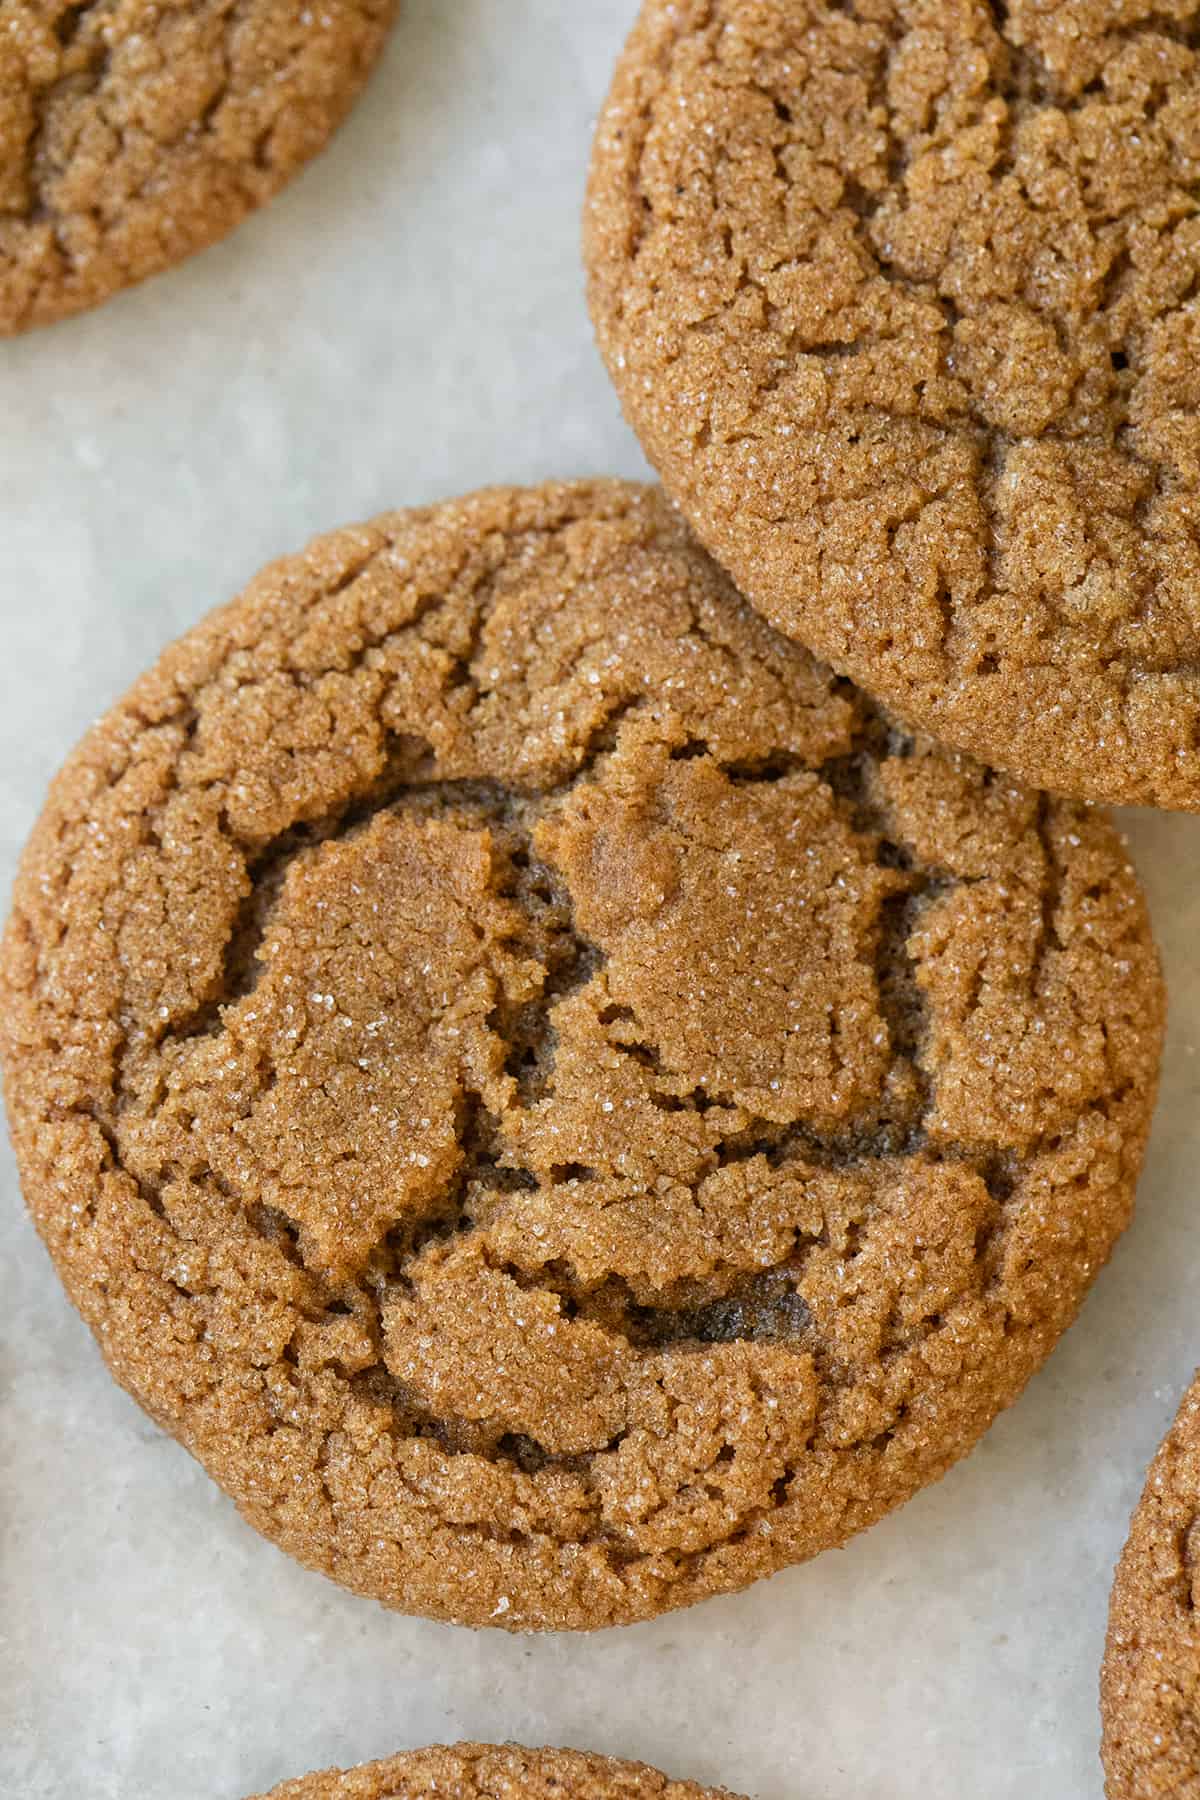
(406, 323)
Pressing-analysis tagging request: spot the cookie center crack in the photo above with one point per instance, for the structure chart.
(586, 1110)
(510, 1076)
(914, 294)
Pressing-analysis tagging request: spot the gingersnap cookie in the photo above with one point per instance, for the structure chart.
(1150, 1683)
(486, 1771)
(551, 1097)
(134, 132)
(901, 300)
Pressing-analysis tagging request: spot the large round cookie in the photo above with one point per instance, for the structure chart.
(901, 298)
(1150, 1684)
(133, 132)
(551, 1098)
(487, 1771)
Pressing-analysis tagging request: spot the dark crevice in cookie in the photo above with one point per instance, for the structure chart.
(569, 959)
(852, 776)
(408, 760)
(240, 966)
(869, 1139)
(566, 1174)
(883, 1439)
(730, 1307)
(479, 1169)
(1189, 1561)
(529, 1456)
(453, 1433)
(999, 1174)
(766, 770)
(1160, 24)
(276, 1228)
(1051, 893)
(147, 1191)
(403, 784)
(603, 739)
(902, 1003)
(68, 22)
(761, 1309)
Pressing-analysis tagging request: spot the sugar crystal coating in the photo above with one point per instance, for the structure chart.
(901, 298)
(554, 1099)
(1150, 1684)
(489, 1772)
(134, 132)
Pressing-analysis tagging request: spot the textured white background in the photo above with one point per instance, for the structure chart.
(405, 323)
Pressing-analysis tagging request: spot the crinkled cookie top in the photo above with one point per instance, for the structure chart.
(901, 297)
(1150, 1686)
(555, 1101)
(133, 132)
(491, 1772)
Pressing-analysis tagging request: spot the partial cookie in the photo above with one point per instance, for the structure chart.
(486, 1771)
(134, 132)
(1150, 1683)
(901, 300)
(545, 1091)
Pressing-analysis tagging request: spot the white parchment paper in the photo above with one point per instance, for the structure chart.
(406, 323)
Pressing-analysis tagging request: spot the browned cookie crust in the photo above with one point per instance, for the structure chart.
(901, 297)
(133, 132)
(487, 1772)
(558, 1105)
(1150, 1683)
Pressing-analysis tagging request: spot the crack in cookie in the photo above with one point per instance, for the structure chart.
(133, 134)
(484, 1771)
(544, 1088)
(1150, 1680)
(901, 301)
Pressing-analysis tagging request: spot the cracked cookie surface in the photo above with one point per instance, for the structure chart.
(484, 1771)
(901, 298)
(134, 132)
(1150, 1684)
(559, 1104)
